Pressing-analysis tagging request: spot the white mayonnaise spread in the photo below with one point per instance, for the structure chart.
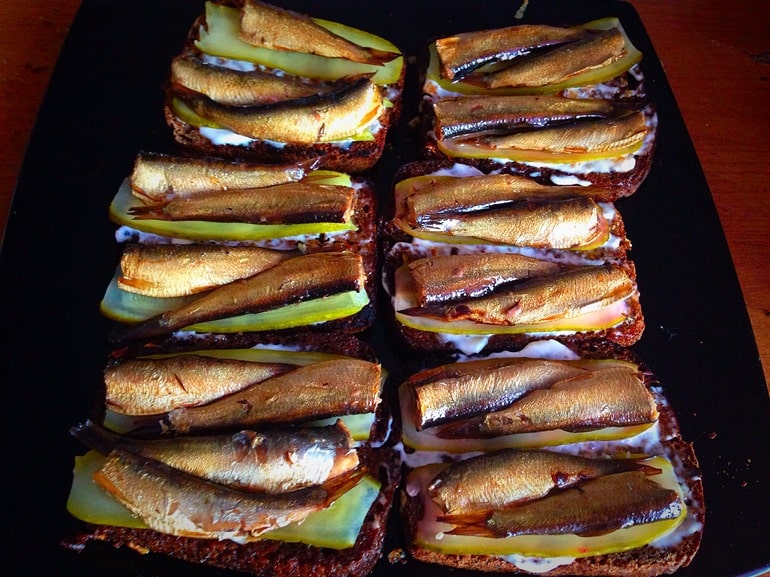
(537, 564)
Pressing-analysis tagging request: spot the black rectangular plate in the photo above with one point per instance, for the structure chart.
(104, 105)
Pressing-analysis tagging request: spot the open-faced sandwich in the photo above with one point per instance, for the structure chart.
(480, 262)
(257, 81)
(554, 466)
(225, 247)
(560, 104)
(271, 459)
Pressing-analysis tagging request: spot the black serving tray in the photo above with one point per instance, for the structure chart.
(104, 104)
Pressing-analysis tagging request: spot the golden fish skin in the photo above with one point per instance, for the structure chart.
(326, 389)
(281, 29)
(455, 116)
(151, 386)
(562, 224)
(595, 507)
(176, 503)
(589, 136)
(171, 270)
(612, 397)
(483, 192)
(594, 51)
(335, 115)
(566, 294)
(511, 477)
(462, 390)
(447, 277)
(159, 177)
(462, 53)
(290, 203)
(238, 87)
(293, 280)
(271, 461)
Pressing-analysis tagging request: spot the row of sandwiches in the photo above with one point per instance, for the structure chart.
(247, 422)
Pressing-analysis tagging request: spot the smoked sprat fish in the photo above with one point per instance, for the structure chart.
(239, 87)
(572, 223)
(461, 390)
(446, 277)
(430, 197)
(463, 53)
(592, 51)
(177, 503)
(511, 477)
(158, 177)
(321, 390)
(590, 400)
(595, 507)
(147, 386)
(172, 270)
(281, 29)
(295, 202)
(599, 138)
(566, 294)
(270, 460)
(455, 116)
(335, 115)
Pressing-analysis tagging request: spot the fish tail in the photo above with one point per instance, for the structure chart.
(95, 436)
(380, 57)
(341, 484)
(146, 212)
(475, 524)
(154, 327)
(463, 429)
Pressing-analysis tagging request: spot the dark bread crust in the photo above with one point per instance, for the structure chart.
(270, 558)
(358, 157)
(645, 561)
(335, 343)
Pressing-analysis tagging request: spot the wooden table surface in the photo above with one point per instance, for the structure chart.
(716, 57)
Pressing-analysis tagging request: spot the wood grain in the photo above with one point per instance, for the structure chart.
(716, 57)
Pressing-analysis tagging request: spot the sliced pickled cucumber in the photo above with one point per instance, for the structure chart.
(336, 527)
(590, 321)
(471, 149)
(598, 76)
(220, 38)
(216, 231)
